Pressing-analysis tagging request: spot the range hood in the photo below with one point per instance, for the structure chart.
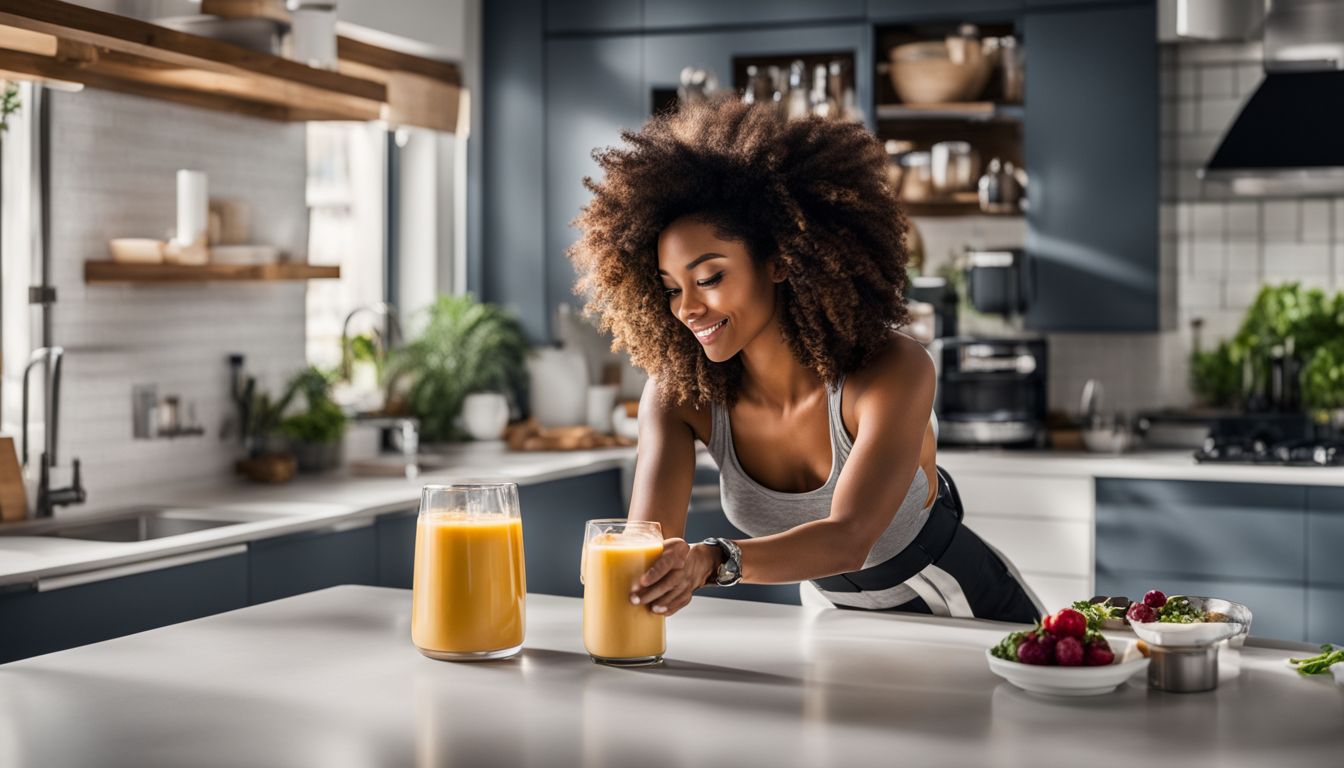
(1286, 140)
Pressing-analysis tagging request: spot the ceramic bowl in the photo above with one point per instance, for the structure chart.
(1234, 629)
(1073, 681)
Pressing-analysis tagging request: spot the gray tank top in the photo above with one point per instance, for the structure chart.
(761, 511)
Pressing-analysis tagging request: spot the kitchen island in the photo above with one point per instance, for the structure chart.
(331, 678)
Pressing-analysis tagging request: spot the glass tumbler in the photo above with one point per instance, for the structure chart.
(470, 584)
(616, 553)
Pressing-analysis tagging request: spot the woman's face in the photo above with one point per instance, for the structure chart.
(714, 287)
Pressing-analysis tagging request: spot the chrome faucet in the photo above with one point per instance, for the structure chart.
(393, 333)
(49, 498)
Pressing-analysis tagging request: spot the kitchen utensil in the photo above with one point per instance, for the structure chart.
(895, 149)
(1073, 681)
(485, 415)
(469, 586)
(955, 166)
(136, 250)
(616, 552)
(999, 188)
(313, 36)
(13, 495)
(235, 220)
(917, 177)
(558, 396)
(925, 73)
(1185, 656)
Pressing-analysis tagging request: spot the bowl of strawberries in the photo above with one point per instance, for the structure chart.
(1065, 654)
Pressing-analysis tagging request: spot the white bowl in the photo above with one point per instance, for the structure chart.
(1073, 681)
(1164, 635)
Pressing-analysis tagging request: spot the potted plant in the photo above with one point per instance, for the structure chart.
(314, 434)
(467, 347)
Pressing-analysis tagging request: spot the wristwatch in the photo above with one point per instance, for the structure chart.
(730, 570)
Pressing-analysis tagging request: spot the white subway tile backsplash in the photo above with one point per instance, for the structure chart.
(1216, 114)
(114, 176)
(1207, 258)
(1243, 220)
(1316, 221)
(1216, 82)
(1297, 259)
(1243, 259)
(1282, 220)
(1210, 221)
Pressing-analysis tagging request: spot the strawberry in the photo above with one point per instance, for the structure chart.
(1038, 650)
(1066, 623)
(1069, 652)
(1098, 653)
(1141, 613)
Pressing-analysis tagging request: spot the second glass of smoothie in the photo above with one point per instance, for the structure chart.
(616, 553)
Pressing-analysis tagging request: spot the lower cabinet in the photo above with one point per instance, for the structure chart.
(312, 560)
(64, 613)
(396, 549)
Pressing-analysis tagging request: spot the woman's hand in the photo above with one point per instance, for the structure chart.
(668, 584)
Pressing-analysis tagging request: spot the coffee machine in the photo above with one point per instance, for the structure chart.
(992, 388)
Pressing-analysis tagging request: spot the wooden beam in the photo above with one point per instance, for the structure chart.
(125, 272)
(350, 50)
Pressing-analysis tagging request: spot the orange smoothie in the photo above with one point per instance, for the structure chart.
(470, 583)
(613, 628)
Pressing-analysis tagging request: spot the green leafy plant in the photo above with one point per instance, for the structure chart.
(9, 104)
(1288, 315)
(1323, 377)
(1321, 663)
(466, 347)
(324, 421)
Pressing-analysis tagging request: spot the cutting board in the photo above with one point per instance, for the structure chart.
(13, 498)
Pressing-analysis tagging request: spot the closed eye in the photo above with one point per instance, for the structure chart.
(707, 282)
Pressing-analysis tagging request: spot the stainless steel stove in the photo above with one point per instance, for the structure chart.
(1289, 439)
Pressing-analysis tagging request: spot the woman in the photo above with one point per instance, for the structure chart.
(755, 268)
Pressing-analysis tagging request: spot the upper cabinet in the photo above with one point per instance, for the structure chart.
(1090, 133)
(673, 14)
(593, 15)
(901, 10)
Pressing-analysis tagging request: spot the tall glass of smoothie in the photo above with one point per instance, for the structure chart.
(469, 585)
(615, 554)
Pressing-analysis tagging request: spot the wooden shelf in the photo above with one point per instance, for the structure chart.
(103, 271)
(971, 110)
(944, 208)
(55, 40)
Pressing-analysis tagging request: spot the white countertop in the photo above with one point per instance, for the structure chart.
(1156, 465)
(308, 502)
(331, 678)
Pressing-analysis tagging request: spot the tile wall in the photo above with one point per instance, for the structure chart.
(113, 165)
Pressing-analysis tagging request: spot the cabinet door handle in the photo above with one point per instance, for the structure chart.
(346, 525)
(130, 569)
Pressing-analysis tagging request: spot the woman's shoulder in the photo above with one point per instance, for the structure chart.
(901, 365)
(656, 407)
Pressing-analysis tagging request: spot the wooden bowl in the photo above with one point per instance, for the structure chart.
(924, 73)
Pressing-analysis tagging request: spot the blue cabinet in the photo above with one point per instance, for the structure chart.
(706, 519)
(396, 549)
(1325, 565)
(34, 622)
(954, 10)
(593, 15)
(553, 518)
(673, 14)
(1090, 136)
(1240, 541)
(593, 91)
(312, 560)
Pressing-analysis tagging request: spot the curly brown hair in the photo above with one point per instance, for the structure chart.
(811, 193)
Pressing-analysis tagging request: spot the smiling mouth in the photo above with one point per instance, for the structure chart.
(711, 331)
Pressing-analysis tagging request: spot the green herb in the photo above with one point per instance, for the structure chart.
(1178, 610)
(1098, 613)
(1007, 647)
(1323, 377)
(1319, 665)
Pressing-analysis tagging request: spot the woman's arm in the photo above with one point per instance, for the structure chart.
(892, 407)
(665, 465)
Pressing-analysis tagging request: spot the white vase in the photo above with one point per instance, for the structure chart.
(485, 415)
(558, 393)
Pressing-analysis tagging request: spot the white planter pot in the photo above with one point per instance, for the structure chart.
(485, 415)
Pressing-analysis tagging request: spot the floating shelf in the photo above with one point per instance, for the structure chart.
(944, 208)
(103, 271)
(63, 42)
(971, 110)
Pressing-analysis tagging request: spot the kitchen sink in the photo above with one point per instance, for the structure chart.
(154, 523)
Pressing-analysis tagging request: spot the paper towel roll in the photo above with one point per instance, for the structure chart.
(193, 206)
